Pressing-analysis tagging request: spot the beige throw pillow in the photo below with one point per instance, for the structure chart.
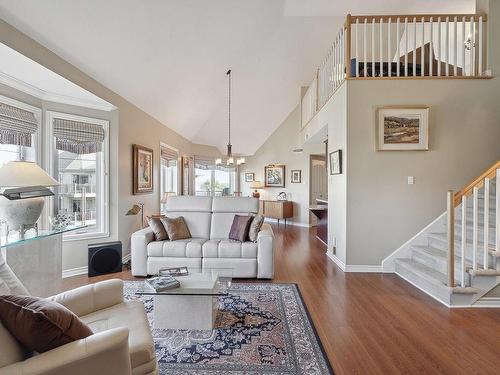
(176, 228)
(255, 226)
(158, 228)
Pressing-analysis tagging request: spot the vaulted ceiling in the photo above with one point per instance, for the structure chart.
(169, 57)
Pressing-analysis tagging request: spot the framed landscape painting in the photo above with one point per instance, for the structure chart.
(401, 128)
(142, 169)
(274, 176)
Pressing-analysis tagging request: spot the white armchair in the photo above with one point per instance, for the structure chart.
(121, 343)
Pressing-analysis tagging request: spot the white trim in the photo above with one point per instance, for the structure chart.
(282, 222)
(74, 272)
(336, 260)
(418, 239)
(49, 160)
(491, 302)
(29, 89)
(126, 258)
(363, 268)
(423, 290)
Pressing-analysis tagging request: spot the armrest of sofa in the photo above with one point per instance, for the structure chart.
(104, 353)
(139, 251)
(265, 252)
(93, 297)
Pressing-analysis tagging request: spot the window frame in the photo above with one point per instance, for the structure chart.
(50, 151)
(162, 144)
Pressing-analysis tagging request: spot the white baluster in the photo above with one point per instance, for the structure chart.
(438, 50)
(486, 230)
(398, 39)
(475, 223)
(381, 53)
(447, 47)
(464, 37)
(365, 63)
(431, 46)
(455, 38)
(422, 48)
(464, 239)
(389, 57)
(414, 46)
(373, 48)
(497, 211)
(356, 47)
(471, 51)
(406, 46)
(480, 42)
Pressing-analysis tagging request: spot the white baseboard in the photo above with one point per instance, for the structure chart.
(84, 270)
(282, 221)
(353, 267)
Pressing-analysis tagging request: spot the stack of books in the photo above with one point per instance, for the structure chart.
(161, 283)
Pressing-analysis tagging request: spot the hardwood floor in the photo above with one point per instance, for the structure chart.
(377, 323)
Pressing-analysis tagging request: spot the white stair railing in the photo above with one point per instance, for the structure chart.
(460, 198)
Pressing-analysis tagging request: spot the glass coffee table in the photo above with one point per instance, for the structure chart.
(194, 304)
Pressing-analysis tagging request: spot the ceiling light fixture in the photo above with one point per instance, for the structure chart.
(230, 158)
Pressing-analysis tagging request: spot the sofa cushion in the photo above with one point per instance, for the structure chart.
(225, 248)
(40, 324)
(158, 228)
(222, 222)
(189, 248)
(235, 204)
(11, 351)
(239, 228)
(197, 222)
(128, 314)
(176, 228)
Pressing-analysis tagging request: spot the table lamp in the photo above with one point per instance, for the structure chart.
(22, 204)
(256, 185)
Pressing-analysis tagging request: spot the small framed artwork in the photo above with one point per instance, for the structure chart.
(274, 176)
(400, 128)
(296, 176)
(336, 162)
(249, 177)
(142, 170)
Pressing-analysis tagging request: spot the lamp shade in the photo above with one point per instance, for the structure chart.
(24, 174)
(256, 185)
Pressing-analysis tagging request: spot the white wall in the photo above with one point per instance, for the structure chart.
(278, 150)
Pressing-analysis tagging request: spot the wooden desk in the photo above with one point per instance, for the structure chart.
(276, 209)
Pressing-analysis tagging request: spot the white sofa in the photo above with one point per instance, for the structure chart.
(209, 221)
(121, 343)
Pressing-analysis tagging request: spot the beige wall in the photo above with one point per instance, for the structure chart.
(278, 150)
(464, 139)
(134, 126)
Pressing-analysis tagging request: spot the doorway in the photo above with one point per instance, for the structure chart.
(318, 182)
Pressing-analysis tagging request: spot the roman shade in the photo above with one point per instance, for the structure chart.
(208, 163)
(16, 125)
(78, 137)
(168, 156)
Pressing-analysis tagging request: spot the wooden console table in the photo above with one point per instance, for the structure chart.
(276, 209)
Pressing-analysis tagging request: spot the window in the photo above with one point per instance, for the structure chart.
(169, 160)
(213, 180)
(79, 161)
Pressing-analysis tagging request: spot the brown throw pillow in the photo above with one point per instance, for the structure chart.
(176, 228)
(158, 229)
(240, 227)
(40, 324)
(253, 232)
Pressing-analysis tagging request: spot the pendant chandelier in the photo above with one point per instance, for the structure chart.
(229, 155)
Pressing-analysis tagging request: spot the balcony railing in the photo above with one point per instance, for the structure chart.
(400, 47)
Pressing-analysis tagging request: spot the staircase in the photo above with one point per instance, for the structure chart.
(457, 264)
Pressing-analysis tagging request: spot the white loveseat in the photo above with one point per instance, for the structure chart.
(209, 221)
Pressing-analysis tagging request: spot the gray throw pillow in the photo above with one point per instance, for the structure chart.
(176, 228)
(158, 229)
(253, 232)
(239, 228)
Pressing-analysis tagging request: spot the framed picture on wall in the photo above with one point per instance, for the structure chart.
(274, 175)
(400, 128)
(249, 177)
(336, 162)
(296, 176)
(142, 170)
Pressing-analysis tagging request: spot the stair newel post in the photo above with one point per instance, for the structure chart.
(450, 208)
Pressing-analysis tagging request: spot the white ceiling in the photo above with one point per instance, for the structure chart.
(26, 75)
(169, 57)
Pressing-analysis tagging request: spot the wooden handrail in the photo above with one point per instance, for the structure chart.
(418, 17)
(477, 182)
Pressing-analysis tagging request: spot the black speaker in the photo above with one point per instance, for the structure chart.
(105, 258)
